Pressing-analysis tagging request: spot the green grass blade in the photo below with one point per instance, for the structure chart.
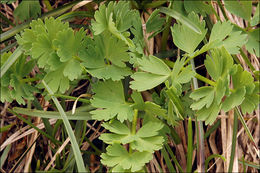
(5, 128)
(6, 19)
(76, 14)
(72, 98)
(4, 155)
(79, 115)
(212, 129)
(173, 158)
(8, 47)
(75, 146)
(234, 141)
(167, 160)
(17, 53)
(184, 20)
(211, 157)
(250, 164)
(45, 121)
(36, 128)
(242, 120)
(190, 147)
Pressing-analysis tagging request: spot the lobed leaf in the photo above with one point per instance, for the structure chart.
(110, 96)
(156, 73)
(185, 38)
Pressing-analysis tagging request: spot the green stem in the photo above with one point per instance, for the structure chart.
(133, 131)
(222, 10)
(247, 60)
(6, 19)
(78, 157)
(234, 141)
(8, 47)
(36, 128)
(199, 132)
(9, 62)
(215, 13)
(33, 79)
(190, 147)
(174, 158)
(165, 34)
(72, 98)
(242, 120)
(45, 121)
(206, 80)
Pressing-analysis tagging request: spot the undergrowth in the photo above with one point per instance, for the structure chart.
(139, 95)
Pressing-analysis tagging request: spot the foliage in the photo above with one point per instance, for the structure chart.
(27, 9)
(13, 87)
(112, 55)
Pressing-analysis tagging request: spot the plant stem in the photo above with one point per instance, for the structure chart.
(56, 142)
(78, 157)
(174, 158)
(234, 141)
(33, 79)
(199, 133)
(247, 60)
(133, 131)
(72, 98)
(190, 147)
(222, 9)
(206, 80)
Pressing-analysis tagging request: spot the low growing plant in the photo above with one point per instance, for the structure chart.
(115, 58)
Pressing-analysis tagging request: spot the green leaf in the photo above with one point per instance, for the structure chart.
(251, 100)
(27, 10)
(146, 139)
(234, 99)
(210, 114)
(252, 44)
(151, 108)
(68, 45)
(185, 38)
(56, 80)
(220, 31)
(156, 73)
(101, 49)
(154, 22)
(219, 63)
(8, 59)
(224, 34)
(256, 18)
(7, 1)
(240, 8)
(178, 15)
(181, 74)
(110, 96)
(118, 158)
(56, 47)
(205, 95)
(115, 18)
(12, 85)
(234, 42)
(198, 7)
(244, 91)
